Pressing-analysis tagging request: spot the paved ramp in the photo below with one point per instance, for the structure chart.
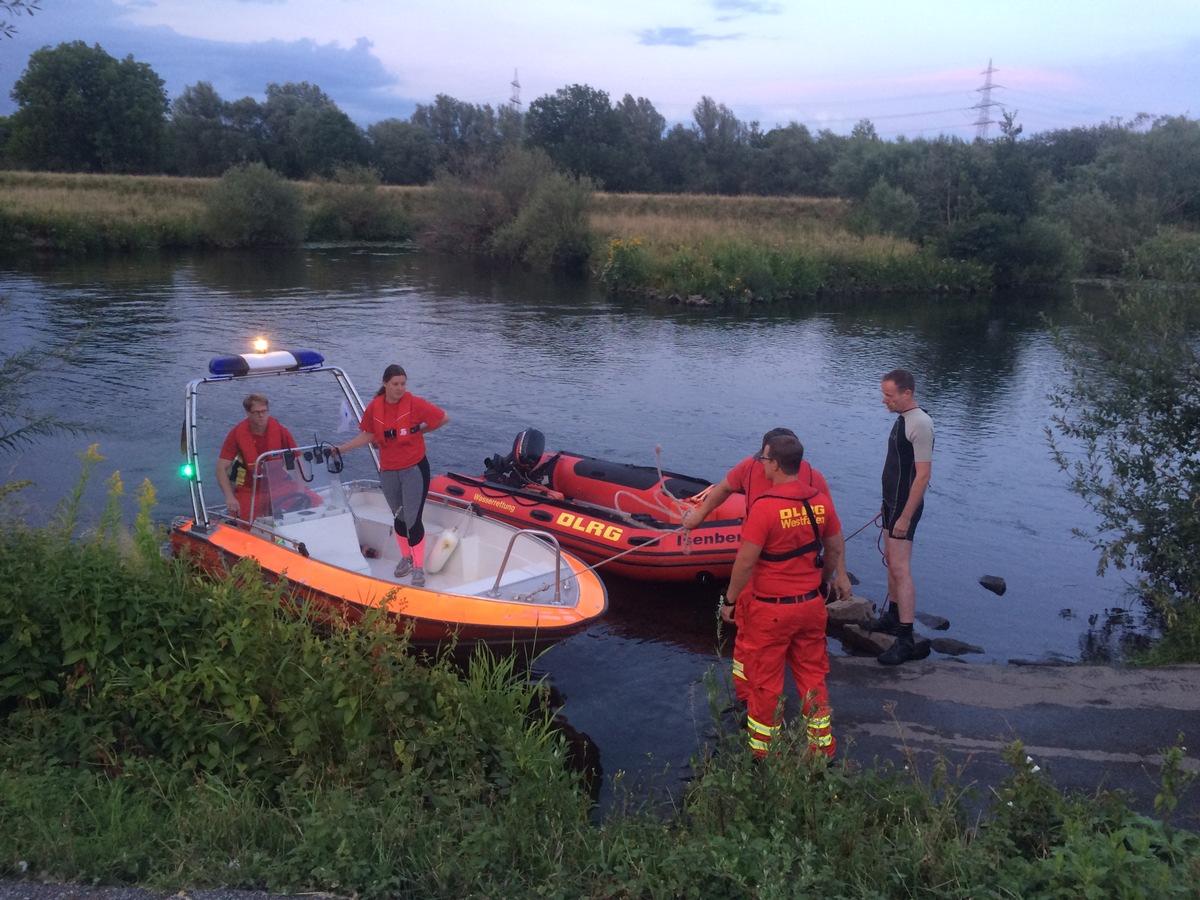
(1088, 727)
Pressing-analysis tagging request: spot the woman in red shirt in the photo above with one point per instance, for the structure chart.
(397, 422)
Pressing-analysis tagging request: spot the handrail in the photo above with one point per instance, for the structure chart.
(494, 593)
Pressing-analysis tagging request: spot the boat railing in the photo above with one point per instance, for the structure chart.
(538, 535)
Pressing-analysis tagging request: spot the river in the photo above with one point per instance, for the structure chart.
(692, 389)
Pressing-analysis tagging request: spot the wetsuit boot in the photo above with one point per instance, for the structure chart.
(903, 649)
(887, 622)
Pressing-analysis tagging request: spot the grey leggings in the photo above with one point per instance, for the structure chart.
(405, 490)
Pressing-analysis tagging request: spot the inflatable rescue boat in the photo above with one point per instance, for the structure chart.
(623, 519)
(327, 533)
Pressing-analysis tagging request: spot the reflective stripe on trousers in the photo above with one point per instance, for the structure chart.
(774, 639)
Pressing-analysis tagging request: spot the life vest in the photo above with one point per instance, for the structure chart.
(815, 545)
(248, 452)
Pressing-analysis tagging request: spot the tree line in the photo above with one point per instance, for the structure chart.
(1096, 199)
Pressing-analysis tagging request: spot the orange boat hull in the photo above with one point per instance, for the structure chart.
(433, 617)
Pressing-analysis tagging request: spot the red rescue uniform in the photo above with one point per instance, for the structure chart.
(748, 478)
(782, 621)
(391, 425)
(245, 447)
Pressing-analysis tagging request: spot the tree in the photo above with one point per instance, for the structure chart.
(1127, 431)
(641, 128)
(199, 133)
(788, 163)
(860, 165)
(723, 141)
(578, 129)
(305, 133)
(403, 153)
(81, 110)
(1155, 176)
(14, 8)
(681, 159)
(462, 132)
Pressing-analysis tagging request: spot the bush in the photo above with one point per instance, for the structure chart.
(1169, 255)
(521, 210)
(550, 230)
(1018, 251)
(350, 206)
(887, 210)
(1037, 252)
(251, 206)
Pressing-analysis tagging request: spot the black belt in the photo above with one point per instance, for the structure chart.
(811, 595)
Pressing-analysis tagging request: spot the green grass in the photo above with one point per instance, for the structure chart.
(167, 731)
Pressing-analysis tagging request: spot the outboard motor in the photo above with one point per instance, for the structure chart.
(517, 468)
(528, 449)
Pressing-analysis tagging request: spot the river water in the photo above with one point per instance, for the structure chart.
(690, 389)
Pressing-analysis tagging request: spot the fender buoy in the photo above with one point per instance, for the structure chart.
(439, 554)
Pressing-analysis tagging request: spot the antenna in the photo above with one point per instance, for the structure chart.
(515, 100)
(985, 104)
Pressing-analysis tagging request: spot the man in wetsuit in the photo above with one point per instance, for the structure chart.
(906, 472)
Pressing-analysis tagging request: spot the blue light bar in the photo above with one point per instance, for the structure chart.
(239, 364)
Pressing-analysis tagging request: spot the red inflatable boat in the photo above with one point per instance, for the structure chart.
(623, 519)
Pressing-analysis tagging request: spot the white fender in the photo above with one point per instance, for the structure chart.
(440, 552)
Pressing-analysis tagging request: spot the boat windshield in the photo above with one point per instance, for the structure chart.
(305, 481)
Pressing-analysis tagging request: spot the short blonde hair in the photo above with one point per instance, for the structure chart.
(251, 399)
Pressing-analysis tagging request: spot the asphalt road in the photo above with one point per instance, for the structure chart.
(1087, 727)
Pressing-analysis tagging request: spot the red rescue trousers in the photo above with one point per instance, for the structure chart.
(774, 636)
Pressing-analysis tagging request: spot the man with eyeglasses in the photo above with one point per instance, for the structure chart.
(255, 435)
(791, 544)
(749, 479)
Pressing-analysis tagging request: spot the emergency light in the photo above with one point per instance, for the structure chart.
(264, 361)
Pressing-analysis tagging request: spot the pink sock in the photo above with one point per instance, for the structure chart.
(404, 548)
(418, 553)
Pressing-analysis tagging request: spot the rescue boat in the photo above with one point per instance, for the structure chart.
(327, 534)
(623, 519)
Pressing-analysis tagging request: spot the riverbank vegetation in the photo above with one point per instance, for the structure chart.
(164, 730)
(1127, 432)
(1120, 199)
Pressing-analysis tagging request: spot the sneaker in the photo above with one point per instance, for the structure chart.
(902, 650)
(887, 622)
(403, 567)
(418, 579)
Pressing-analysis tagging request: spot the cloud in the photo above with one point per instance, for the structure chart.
(354, 77)
(746, 7)
(680, 37)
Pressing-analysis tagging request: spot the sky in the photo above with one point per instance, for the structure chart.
(914, 68)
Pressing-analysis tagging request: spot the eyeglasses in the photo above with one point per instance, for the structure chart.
(763, 458)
